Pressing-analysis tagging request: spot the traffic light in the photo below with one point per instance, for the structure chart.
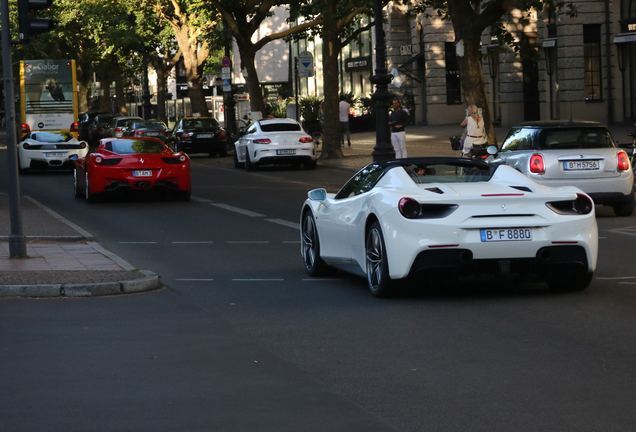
(30, 25)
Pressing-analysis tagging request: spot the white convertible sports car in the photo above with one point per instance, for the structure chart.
(274, 141)
(446, 218)
(39, 150)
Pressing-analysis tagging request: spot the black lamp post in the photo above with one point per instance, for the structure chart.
(549, 68)
(623, 58)
(383, 149)
(493, 69)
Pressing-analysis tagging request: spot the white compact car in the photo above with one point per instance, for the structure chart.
(44, 150)
(447, 218)
(274, 141)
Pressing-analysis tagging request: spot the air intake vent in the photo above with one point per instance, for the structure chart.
(111, 161)
(522, 188)
(171, 161)
(435, 190)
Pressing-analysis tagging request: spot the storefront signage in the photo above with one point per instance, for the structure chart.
(406, 50)
(357, 64)
(631, 27)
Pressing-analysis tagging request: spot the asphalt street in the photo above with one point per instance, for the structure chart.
(242, 339)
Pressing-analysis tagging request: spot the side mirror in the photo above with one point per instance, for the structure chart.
(492, 150)
(241, 132)
(319, 195)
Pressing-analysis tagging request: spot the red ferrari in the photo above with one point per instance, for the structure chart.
(123, 164)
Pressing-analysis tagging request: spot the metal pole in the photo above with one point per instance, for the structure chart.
(146, 92)
(296, 85)
(228, 101)
(383, 149)
(17, 243)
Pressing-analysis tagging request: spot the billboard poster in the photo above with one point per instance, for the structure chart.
(48, 94)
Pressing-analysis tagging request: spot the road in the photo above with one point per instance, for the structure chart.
(246, 341)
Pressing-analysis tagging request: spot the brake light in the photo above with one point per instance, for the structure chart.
(98, 160)
(118, 129)
(25, 128)
(409, 208)
(182, 158)
(623, 161)
(74, 127)
(26, 146)
(262, 141)
(221, 135)
(306, 140)
(138, 133)
(536, 164)
(82, 144)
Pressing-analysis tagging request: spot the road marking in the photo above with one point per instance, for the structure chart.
(284, 223)
(82, 232)
(257, 280)
(322, 279)
(238, 210)
(627, 283)
(248, 242)
(201, 200)
(142, 242)
(196, 242)
(630, 230)
(195, 280)
(615, 278)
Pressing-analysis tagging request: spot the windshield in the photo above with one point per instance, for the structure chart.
(124, 147)
(49, 137)
(447, 173)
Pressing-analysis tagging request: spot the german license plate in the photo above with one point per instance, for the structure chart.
(142, 173)
(152, 134)
(581, 165)
(286, 152)
(205, 136)
(54, 154)
(506, 234)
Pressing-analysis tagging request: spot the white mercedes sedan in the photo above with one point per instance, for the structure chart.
(49, 150)
(274, 141)
(443, 219)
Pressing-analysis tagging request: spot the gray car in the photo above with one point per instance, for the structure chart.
(581, 154)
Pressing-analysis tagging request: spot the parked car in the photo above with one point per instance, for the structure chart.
(117, 126)
(581, 154)
(120, 165)
(274, 141)
(96, 127)
(147, 128)
(83, 123)
(439, 219)
(199, 135)
(44, 150)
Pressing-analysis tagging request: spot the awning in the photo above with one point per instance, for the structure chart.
(625, 37)
(415, 58)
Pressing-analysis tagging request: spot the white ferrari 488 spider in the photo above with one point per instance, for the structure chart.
(447, 218)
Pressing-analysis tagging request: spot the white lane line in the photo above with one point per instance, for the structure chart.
(195, 280)
(81, 231)
(142, 242)
(630, 230)
(123, 264)
(248, 242)
(193, 242)
(284, 223)
(257, 280)
(322, 279)
(615, 278)
(238, 210)
(201, 200)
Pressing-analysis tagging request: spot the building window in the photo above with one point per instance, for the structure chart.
(453, 85)
(592, 58)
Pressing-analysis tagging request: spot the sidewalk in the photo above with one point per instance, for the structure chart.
(62, 260)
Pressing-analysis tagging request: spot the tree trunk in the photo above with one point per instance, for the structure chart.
(193, 59)
(330, 49)
(247, 54)
(119, 91)
(162, 71)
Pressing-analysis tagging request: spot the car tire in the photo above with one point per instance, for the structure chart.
(237, 164)
(248, 163)
(378, 279)
(569, 280)
(78, 192)
(624, 209)
(314, 265)
(90, 197)
(311, 165)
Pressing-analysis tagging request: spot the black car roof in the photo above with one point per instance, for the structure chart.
(433, 160)
(559, 123)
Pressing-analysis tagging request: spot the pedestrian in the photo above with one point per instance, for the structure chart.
(399, 120)
(268, 108)
(475, 134)
(344, 121)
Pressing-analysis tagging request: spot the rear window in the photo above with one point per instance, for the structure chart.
(200, 123)
(124, 147)
(49, 137)
(280, 127)
(574, 138)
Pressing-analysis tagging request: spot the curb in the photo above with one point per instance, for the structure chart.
(149, 282)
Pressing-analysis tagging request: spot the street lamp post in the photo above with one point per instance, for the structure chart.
(493, 69)
(383, 149)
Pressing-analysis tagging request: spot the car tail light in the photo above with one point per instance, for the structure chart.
(262, 141)
(98, 129)
(409, 208)
(98, 160)
(82, 144)
(583, 204)
(25, 128)
(138, 133)
(118, 129)
(183, 158)
(166, 132)
(26, 146)
(221, 135)
(623, 161)
(306, 140)
(536, 164)
(74, 127)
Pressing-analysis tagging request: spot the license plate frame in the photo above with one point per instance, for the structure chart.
(55, 154)
(584, 165)
(205, 135)
(286, 152)
(142, 173)
(505, 234)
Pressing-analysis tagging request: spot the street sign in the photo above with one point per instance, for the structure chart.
(305, 64)
(225, 62)
(226, 85)
(226, 73)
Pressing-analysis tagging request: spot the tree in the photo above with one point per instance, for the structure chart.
(470, 18)
(192, 22)
(244, 17)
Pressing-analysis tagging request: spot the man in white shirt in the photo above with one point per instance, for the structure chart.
(344, 121)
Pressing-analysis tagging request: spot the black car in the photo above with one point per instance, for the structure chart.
(83, 123)
(96, 127)
(146, 128)
(199, 135)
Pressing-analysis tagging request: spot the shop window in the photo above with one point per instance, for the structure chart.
(592, 59)
(453, 84)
